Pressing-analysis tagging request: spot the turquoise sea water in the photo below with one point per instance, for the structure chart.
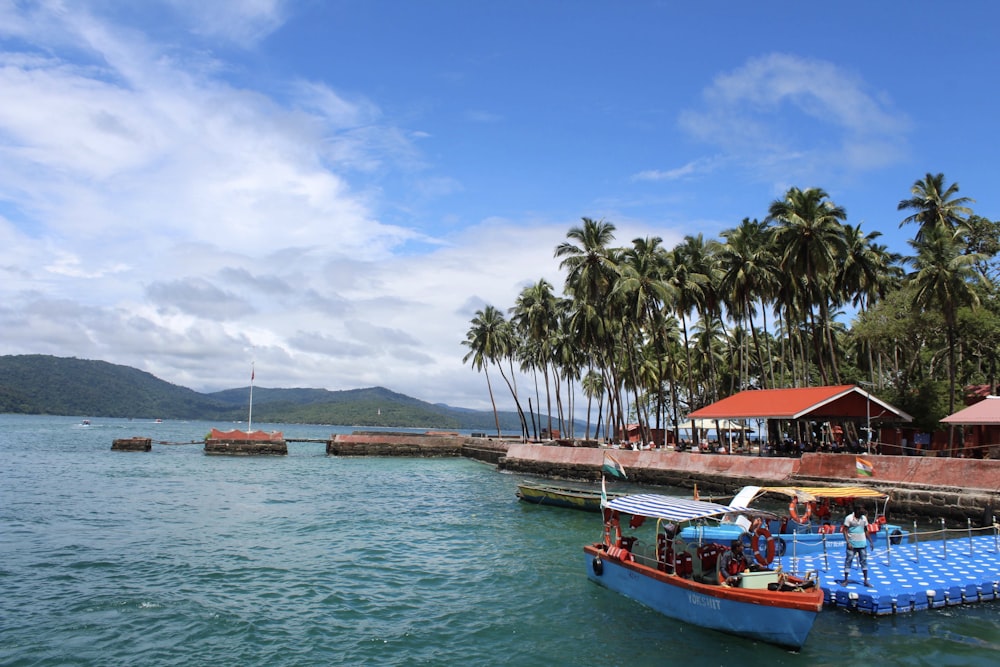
(175, 558)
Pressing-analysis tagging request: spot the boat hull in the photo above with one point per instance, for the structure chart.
(784, 619)
(579, 499)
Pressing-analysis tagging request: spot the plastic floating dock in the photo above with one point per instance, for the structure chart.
(909, 577)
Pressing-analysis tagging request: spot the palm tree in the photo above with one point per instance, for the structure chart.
(749, 273)
(944, 277)
(692, 275)
(644, 292)
(935, 205)
(868, 272)
(534, 317)
(488, 340)
(593, 387)
(810, 231)
(592, 269)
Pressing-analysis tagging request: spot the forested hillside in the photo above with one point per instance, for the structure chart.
(41, 384)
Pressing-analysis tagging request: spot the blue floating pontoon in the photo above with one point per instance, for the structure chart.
(910, 576)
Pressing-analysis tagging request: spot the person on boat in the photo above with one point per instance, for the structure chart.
(855, 530)
(733, 563)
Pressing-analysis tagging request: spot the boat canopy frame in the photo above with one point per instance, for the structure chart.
(670, 508)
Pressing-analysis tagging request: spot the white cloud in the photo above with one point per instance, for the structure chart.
(779, 112)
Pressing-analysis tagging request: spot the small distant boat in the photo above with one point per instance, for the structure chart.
(681, 579)
(588, 500)
(158, 421)
(85, 422)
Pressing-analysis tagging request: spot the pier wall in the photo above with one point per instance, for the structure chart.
(956, 490)
(396, 444)
(983, 474)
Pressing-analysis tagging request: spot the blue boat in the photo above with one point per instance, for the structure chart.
(679, 578)
(810, 530)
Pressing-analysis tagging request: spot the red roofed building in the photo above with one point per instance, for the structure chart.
(821, 404)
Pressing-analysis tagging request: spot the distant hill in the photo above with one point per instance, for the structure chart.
(41, 384)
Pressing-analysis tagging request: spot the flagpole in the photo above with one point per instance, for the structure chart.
(250, 418)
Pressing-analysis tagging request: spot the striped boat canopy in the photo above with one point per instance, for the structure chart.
(810, 493)
(670, 508)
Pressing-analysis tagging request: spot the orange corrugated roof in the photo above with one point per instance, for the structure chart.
(845, 400)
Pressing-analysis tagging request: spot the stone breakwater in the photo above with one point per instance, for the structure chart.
(953, 489)
(431, 444)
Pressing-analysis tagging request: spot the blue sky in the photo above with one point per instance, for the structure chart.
(333, 188)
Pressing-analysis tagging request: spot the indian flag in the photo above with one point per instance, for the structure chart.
(613, 467)
(864, 466)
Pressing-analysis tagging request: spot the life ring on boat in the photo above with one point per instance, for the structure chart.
(793, 512)
(598, 566)
(767, 557)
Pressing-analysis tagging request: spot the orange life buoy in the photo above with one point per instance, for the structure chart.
(873, 527)
(766, 558)
(793, 512)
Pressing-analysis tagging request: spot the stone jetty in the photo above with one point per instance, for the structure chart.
(429, 444)
(135, 444)
(242, 443)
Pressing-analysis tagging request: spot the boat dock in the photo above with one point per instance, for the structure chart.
(963, 567)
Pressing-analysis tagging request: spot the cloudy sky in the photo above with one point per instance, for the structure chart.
(332, 189)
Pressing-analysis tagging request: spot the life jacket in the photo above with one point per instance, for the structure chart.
(735, 565)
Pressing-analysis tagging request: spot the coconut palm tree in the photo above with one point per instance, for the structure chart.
(592, 385)
(935, 205)
(692, 274)
(944, 278)
(644, 293)
(809, 230)
(534, 317)
(868, 272)
(749, 274)
(592, 269)
(488, 340)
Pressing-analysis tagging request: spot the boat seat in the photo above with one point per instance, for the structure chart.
(708, 563)
(683, 565)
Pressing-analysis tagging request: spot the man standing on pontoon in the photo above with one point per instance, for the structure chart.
(855, 530)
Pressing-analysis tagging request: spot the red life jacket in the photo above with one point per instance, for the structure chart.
(735, 565)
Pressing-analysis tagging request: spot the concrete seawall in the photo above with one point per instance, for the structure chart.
(953, 489)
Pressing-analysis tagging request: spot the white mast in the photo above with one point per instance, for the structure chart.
(250, 418)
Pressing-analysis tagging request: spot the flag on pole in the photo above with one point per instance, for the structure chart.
(613, 467)
(864, 466)
(604, 493)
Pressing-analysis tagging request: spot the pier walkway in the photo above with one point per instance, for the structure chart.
(962, 569)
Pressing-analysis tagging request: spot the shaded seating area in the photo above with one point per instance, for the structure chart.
(792, 416)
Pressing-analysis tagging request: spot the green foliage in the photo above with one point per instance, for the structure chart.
(927, 402)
